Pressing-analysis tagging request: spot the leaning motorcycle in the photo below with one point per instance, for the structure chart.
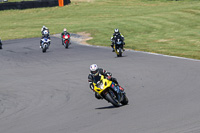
(118, 46)
(45, 44)
(66, 40)
(109, 91)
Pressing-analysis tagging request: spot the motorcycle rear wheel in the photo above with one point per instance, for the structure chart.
(125, 100)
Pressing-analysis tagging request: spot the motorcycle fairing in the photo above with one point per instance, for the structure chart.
(96, 79)
(115, 87)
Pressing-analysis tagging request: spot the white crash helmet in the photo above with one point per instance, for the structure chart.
(94, 69)
(65, 29)
(116, 30)
(45, 32)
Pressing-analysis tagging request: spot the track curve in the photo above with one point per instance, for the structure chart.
(48, 92)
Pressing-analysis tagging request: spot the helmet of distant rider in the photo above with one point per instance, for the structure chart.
(45, 32)
(65, 30)
(116, 31)
(43, 27)
(94, 69)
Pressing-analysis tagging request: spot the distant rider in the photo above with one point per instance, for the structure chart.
(64, 33)
(0, 44)
(95, 76)
(43, 29)
(115, 34)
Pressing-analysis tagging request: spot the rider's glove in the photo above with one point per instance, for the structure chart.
(108, 77)
(98, 82)
(91, 87)
(109, 74)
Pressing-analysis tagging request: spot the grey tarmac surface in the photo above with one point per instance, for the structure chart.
(49, 92)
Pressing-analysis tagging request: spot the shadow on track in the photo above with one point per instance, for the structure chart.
(121, 56)
(108, 107)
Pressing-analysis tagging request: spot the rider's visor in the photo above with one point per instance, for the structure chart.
(94, 72)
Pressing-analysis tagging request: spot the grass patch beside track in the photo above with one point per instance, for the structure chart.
(165, 27)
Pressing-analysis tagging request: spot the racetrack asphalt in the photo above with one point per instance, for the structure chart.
(49, 92)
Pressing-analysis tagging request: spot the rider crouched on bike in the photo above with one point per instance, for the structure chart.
(95, 76)
(44, 34)
(115, 34)
(64, 33)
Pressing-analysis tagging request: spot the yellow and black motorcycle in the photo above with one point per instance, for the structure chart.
(118, 46)
(111, 92)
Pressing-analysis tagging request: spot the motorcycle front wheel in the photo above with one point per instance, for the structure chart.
(44, 49)
(110, 99)
(66, 45)
(120, 53)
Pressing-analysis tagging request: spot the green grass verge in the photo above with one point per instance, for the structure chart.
(165, 27)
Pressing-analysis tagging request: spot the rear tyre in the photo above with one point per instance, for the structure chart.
(0, 46)
(110, 99)
(125, 100)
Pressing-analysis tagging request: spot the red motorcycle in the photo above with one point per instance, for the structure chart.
(66, 40)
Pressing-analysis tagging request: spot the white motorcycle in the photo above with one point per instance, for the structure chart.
(45, 42)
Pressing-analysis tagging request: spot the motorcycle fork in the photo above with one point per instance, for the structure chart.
(66, 41)
(118, 92)
(115, 95)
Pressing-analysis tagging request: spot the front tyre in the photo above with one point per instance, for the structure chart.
(110, 99)
(120, 52)
(66, 45)
(44, 49)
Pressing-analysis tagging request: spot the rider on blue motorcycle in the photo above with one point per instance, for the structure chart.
(95, 76)
(43, 29)
(44, 34)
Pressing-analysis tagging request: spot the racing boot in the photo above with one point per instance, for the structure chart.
(113, 50)
(121, 89)
(40, 43)
(123, 46)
